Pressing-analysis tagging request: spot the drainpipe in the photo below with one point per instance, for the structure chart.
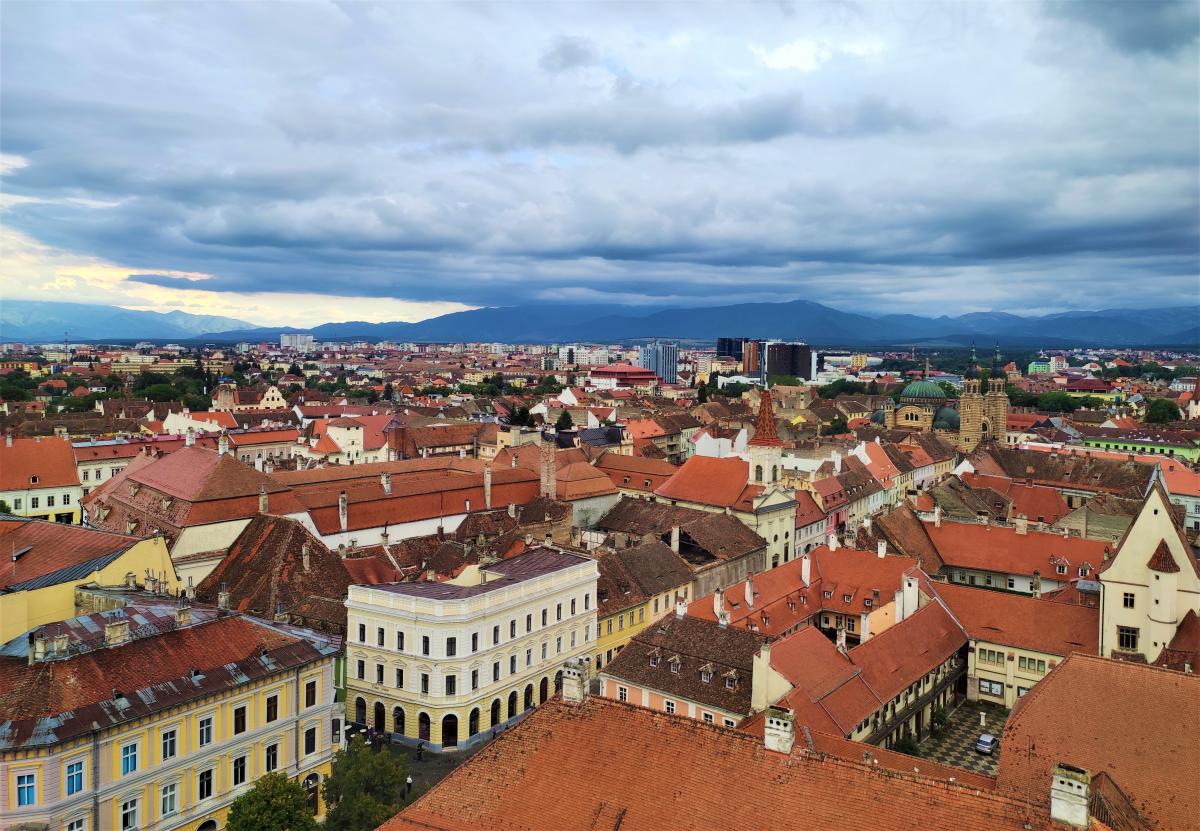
(296, 728)
(95, 779)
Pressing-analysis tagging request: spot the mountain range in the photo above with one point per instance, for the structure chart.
(794, 320)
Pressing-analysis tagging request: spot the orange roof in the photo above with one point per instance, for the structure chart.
(1036, 502)
(535, 777)
(993, 548)
(1148, 743)
(37, 463)
(1023, 622)
(36, 549)
(220, 418)
(711, 481)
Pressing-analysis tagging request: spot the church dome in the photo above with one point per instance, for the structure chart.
(946, 419)
(923, 393)
(877, 417)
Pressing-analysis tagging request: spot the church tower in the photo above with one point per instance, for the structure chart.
(766, 448)
(996, 408)
(971, 409)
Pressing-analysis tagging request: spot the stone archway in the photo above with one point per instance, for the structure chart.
(380, 722)
(360, 710)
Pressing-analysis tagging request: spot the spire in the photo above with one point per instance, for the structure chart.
(926, 375)
(765, 432)
(973, 366)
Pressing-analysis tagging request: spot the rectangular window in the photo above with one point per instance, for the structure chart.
(205, 737)
(558, 644)
(622, 694)
(128, 759)
(239, 771)
(512, 629)
(994, 688)
(495, 635)
(399, 678)
(451, 647)
(424, 644)
(1127, 600)
(1012, 584)
(379, 673)
(496, 671)
(558, 612)
(35, 502)
(529, 657)
(474, 642)
(529, 623)
(669, 706)
(271, 758)
(572, 637)
(239, 720)
(310, 741)
(587, 632)
(587, 601)
(1127, 638)
(543, 617)
(66, 497)
(399, 641)
(50, 501)
(729, 722)
(204, 784)
(26, 789)
(1041, 666)
(170, 801)
(424, 683)
(362, 669)
(129, 815)
(1021, 662)
(380, 637)
(168, 744)
(512, 664)
(74, 777)
(310, 694)
(451, 685)
(362, 633)
(610, 626)
(474, 679)
(572, 605)
(545, 648)
(620, 622)
(708, 718)
(272, 708)
(77, 825)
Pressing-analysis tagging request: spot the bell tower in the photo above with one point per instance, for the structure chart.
(971, 408)
(766, 448)
(996, 408)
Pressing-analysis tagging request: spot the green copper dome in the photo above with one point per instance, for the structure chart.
(946, 419)
(923, 391)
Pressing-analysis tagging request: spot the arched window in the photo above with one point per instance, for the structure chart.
(360, 710)
(312, 787)
(450, 731)
(529, 696)
(473, 722)
(543, 690)
(398, 720)
(774, 473)
(558, 681)
(208, 825)
(423, 727)
(758, 473)
(380, 723)
(495, 712)
(512, 704)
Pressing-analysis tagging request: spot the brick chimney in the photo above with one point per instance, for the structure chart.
(37, 647)
(574, 681)
(719, 602)
(223, 598)
(1069, 795)
(937, 516)
(223, 443)
(116, 632)
(779, 732)
(183, 616)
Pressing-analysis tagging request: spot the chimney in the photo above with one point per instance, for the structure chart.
(574, 682)
(549, 486)
(183, 616)
(223, 443)
(281, 613)
(189, 438)
(262, 499)
(487, 485)
(8, 439)
(719, 602)
(269, 466)
(343, 511)
(383, 536)
(1069, 795)
(305, 556)
(832, 541)
(675, 538)
(223, 599)
(512, 509)
(805, 569)
(881, 549)
(191, 589)
(385, 479)
(750, 590)
(908, 597)
(680, 607)
(37, 647)
(841, 639)
(937, 516)
(1035, 585)
(513, 461)
(342, 550)
(62, 644)
(258, 463)
(779, 732)
(130, 580)
(837, 462)
(116, 632)
(1021, 525)
(723, 620)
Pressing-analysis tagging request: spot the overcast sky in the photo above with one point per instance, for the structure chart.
(303, 162)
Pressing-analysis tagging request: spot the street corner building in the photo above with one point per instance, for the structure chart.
(159, 715)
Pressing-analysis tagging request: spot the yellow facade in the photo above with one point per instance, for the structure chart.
(21, 611)
(152, 770)
(58, 503)
(1001, 674)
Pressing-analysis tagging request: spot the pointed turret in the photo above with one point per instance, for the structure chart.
(765, 432)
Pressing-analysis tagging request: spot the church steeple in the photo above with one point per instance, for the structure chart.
(765, 449)
(765, 432)
(973, 366)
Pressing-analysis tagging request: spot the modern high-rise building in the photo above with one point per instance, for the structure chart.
(661, 358)
(796, 359)
(730, 348)
(299, 342)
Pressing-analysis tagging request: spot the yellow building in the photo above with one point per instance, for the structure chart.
(49, 560)
(443, 663)
(636, 587)
(38, 479)
(161, 730)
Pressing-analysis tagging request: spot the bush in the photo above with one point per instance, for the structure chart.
(907, 745)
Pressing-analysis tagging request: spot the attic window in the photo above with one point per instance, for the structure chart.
(33, 480)
(133, 488)
(653, 660)
(828, 595)
(706, 676)
(1061, 569)
(846, 598)
(675, 666)
(867, 602)
(730, 683)
(1084, 571)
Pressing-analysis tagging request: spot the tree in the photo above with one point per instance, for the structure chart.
(295, 369)
(702, 394)
(275, 803)
(907, 744)
(1162, 411)
(364, 788)
(1056, 402)
(836, 427)
(160, 392)
(565, 422)
(5, 508)
(873, 387)
(520, 417)
(388, 392)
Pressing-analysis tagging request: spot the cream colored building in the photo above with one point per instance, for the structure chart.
(441, 664)
(1148, 586)
(160, 731)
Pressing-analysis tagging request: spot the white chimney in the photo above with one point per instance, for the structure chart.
(806, 569)
(937, 516)
(263, 503)
(841, 640)
(779, 732)
(189, 438)
(881, 549)
(574, 681)
(1069, 795)
(8, 439)
(832, 541)
(675, 538)
(116, 632)
(223, 443)
(719, 602)
(680, 607)
(183, 616)
(750, 590)
(1021, 525)
(837, 462)
(223, 599)
(343, 511)
(909, 597)
(487, 485)
(385, 479)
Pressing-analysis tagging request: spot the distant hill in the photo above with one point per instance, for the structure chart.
(544, 323)
(34, 320)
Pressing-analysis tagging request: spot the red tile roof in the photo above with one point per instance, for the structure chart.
(37, 549)
(1036, 502)
(50, 460)
(1162, 560)
(999, 549)
(710, 481)
(1023, 622)
(536, 777)
(766, 434)
(1136, 723)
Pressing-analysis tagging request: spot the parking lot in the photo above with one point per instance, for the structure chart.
(954, 744)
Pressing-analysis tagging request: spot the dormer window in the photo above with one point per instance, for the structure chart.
(653, 660)
(675, 666)
(1084, 571)
(1060, 569)
(828, 595)
(845, 598)
(867, 602)
(730, 683)
(706, 676)
(33, 480)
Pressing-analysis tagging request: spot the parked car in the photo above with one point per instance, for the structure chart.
(987, 743)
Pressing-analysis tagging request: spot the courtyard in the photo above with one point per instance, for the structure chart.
(954, 744)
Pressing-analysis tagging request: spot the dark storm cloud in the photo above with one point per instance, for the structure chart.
(1139, 26)
(492, 155)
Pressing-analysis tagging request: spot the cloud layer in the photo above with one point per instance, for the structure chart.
(892, 157)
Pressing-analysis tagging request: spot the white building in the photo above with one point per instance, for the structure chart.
(303, 343)
(441, 664)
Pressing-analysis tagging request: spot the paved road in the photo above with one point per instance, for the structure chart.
(954, 744)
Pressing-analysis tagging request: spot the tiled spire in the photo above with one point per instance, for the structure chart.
(765, 433)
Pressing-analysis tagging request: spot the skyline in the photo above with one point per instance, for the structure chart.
(391, 162)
